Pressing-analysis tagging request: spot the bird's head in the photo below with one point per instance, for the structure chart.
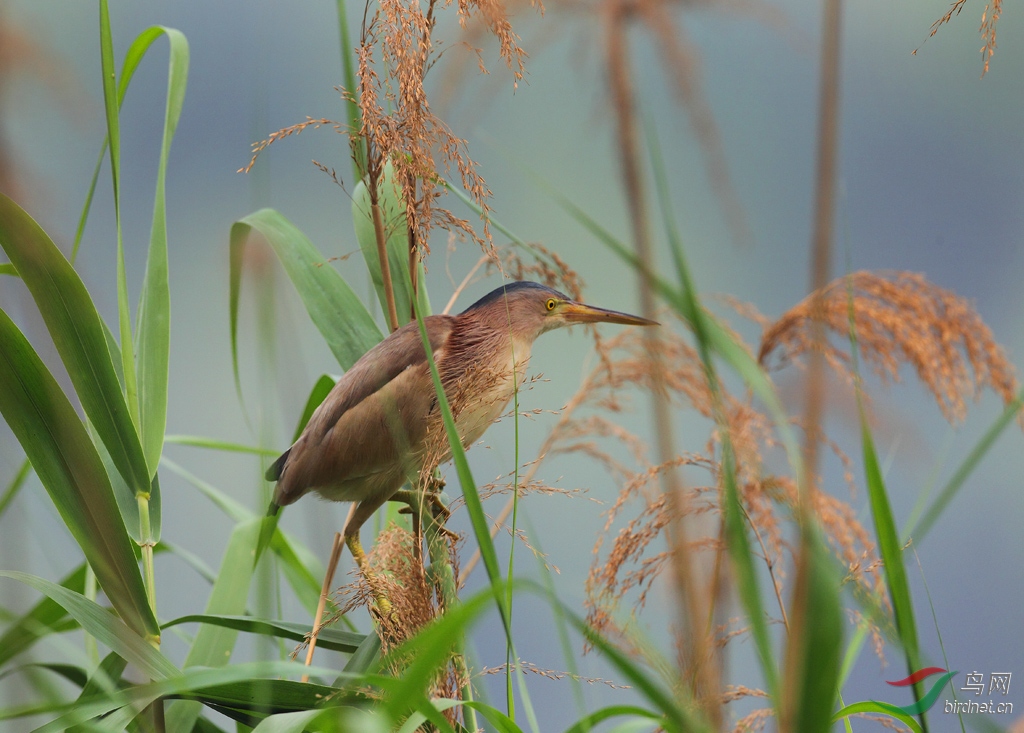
(532, 309)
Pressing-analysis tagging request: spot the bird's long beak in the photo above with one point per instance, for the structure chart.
(580, 313)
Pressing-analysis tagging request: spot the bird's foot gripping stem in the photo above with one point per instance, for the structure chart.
(384, 606)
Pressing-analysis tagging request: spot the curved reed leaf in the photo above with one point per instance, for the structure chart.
(872, 706)
(339, 641)
(55, 440)
(340, 316)
(153, 327)
(107, 628)
(47, 616)
(585, 724)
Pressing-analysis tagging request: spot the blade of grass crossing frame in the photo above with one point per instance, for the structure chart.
(66, 461)
(110, 103)
(153, 328)
(474, 508)
(812, 674)
(15, 485)
(213, 645)
(348, 72)
(337, 312)
(922, 527)
(687, 303)
(891, 552)
(77, 332)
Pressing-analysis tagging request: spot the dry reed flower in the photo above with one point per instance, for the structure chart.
(900, 318)
(989, 19)
(416, 602)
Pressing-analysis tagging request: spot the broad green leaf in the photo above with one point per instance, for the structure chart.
(134, 699)
(318, 394)
(77, 332)
(340, 316)
(107, 628)
(45, 617)
(66, 461)
(153, 327)
(396, 229)
(365, 657)
(339, 641)
(213, 645)
(301, 567)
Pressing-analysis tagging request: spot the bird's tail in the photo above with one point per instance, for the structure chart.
(267, 529)
(277, 467)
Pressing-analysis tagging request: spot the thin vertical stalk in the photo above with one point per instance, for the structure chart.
(629, 158)
(380, 234)
(146, 544)
(821, 265)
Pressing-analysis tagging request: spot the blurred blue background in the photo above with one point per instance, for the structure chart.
(931, 180)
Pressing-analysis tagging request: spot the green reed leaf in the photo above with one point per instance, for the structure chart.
(339, 641)
(46, 617)
(153, 327)
(317, 395)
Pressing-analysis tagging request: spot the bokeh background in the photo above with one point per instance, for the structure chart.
(931, 180)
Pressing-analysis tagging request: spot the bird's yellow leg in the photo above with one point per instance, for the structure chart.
(356, 548)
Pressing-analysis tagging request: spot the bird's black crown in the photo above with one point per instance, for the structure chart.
(507, 290)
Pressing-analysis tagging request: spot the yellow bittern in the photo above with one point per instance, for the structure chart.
(380, 424)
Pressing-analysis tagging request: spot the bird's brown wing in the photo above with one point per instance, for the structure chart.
(371, 417)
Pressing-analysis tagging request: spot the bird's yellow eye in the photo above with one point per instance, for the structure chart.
(550, 305)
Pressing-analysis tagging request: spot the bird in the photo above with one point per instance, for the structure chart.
(381, 426)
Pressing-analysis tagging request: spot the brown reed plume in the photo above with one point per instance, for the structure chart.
(900, 318)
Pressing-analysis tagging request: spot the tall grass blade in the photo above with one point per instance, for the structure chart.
(348, 73)
(111, 106)
(813, 666)
(66, 461)
(337, 312)
(213, 645)
(687, 303)
(77, 332)
(950, 490)
(891, 553)
(396, 227)
(198, 441)
(107, 628)
(153, 327)
(15, 485)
